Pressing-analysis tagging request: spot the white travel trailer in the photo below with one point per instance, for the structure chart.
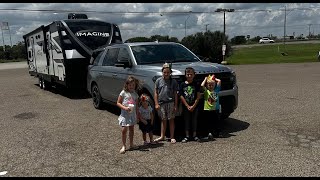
(59, 53)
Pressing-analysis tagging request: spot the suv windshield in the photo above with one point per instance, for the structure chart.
(161, 53)
(92, 33)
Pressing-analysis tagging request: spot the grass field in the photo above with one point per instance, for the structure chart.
(268, 54)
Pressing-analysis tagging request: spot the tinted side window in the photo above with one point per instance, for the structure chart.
(97, 59)
(123, 55)
(111, 57)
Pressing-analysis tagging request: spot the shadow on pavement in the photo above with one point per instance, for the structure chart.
(148, 147)
(230, 125)
(69, 93)
(114, 109)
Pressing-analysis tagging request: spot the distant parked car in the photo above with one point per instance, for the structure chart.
(265, 40)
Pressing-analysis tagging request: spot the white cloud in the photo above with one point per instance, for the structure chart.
(245, 20)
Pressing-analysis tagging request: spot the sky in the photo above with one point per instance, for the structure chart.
(169, 19)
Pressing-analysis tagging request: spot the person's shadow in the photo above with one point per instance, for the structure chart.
(69, 93)
(229, 126)
(148, 147)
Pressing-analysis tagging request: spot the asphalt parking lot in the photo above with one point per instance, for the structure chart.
(273, 132)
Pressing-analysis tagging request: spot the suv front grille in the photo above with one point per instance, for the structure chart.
(225, 77)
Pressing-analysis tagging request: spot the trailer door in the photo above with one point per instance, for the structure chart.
(49, 54)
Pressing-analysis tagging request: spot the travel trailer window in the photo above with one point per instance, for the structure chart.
(93, 34)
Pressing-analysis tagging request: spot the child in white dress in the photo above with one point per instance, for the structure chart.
(127, 102)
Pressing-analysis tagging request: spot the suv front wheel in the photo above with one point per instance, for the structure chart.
(96, 97)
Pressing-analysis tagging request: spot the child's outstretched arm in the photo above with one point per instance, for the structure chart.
(197, 100)
(156, 104)
(119, 104)
(137, 111)
(151, 116)
(175, 101)
(184, 102)
(204, 82)
(218, 81)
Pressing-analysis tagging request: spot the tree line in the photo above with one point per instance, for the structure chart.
(206, 45)
(17, 51)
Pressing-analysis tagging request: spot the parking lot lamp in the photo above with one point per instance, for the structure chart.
(185, 25)
(224, 31)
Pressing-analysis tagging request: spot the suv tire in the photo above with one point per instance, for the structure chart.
(96, 97)
(225, 116)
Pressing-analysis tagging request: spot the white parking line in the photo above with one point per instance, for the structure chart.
(3, 173)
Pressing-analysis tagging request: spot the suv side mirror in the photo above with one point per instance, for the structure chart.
(123, 62)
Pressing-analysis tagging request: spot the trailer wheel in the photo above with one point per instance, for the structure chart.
(96, 97)
(41, 83)
(46, 85)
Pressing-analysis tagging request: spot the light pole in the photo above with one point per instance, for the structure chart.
(309, 30)
(224, 31)
(185, 26)
(206, 27)
(284, 28)
(4, 46)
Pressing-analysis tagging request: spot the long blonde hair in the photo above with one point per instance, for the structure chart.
(131, 79)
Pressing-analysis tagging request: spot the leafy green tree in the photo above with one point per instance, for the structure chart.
(255, 39)
(19, 51)
(159, 38)
(1, 52)
(8, 53)
(208, 45)
(138, 39)
(174, 39)
(153, 38)
(238, 40)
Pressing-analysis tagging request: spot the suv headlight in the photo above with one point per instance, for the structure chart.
(233, 78)
(155, 78)
(176, 77)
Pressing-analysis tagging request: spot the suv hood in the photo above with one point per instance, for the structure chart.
(199, 67)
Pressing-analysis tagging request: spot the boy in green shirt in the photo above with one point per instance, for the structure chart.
(211, 87)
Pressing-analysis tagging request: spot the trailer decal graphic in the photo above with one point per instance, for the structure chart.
(101, 34)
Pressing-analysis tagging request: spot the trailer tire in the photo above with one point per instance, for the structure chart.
(96, 97)
(40, 82)
(46, 85)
